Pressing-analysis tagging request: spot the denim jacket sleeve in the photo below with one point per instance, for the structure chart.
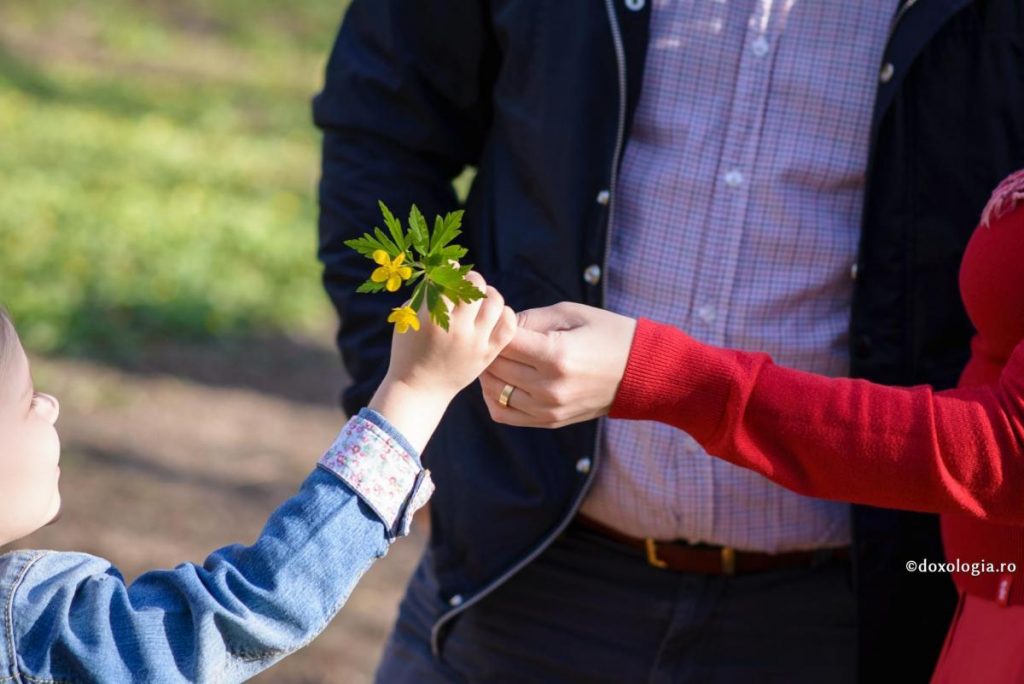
(70, 617)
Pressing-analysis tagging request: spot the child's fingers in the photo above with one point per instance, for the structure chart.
(477, 280)
(490, 309)
(505, 328)
(468, 311)
(424, 312)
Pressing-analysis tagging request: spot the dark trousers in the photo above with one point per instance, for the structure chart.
(591, 610)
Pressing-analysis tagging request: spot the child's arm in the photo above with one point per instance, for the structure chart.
(71, 617)
(959, 451)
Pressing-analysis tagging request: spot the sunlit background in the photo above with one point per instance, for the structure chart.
(158, 167)
(159, 164)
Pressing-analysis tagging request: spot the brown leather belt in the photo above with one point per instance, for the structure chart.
(707, 559)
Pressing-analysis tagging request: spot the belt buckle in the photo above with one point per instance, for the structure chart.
(728, 560)
(652, 554)
(728, 557)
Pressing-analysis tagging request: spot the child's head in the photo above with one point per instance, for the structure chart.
(29, 446)
(991, 277)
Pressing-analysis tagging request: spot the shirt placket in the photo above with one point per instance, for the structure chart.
(728, 215)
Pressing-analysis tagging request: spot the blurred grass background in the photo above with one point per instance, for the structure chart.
(157, 169)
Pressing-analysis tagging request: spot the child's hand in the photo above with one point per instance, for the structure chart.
(436, 363)
(430, 366)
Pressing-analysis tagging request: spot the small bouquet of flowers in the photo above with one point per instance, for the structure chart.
(418, 254)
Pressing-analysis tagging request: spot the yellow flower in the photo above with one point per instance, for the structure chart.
(390, 271)
(403, 317)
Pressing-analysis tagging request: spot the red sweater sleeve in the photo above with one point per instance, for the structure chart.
(959, 451)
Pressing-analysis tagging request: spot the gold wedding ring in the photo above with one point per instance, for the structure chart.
(506, 393)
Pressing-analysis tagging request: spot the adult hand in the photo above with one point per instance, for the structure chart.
(565, 362)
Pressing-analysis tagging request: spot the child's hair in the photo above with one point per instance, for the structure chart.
(1004, 198)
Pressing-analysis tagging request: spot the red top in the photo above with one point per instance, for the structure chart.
(958, 452)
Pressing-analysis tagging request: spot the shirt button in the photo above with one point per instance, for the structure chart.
(593, 274)
(603, 198)
(734, 178)
(853, 272)
(760, 46)
(583, 466)
(706, 313)
(455, 601)
(887, 72)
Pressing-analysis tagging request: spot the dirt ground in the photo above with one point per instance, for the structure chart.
(189, 448)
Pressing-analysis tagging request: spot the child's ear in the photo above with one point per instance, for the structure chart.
(1005, 198)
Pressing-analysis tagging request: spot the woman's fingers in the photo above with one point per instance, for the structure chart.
(492, 389)
(514, 373)
(522, 408)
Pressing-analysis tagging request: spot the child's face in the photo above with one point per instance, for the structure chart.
(29, 449)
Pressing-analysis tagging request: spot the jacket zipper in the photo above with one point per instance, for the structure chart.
(872, 146)
(873, 137)
(435, 632)
(904, 8)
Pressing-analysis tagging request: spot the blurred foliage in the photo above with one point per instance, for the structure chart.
(158, 167)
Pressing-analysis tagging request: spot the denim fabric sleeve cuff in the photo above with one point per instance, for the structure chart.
(375, 462)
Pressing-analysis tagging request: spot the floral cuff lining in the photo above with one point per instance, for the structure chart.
(391, 431)
(372, 458)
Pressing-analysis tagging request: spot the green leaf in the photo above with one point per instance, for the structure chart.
(435, 279)
(452, 253)
(432, 261)
(446, 230)
(394, 226)
(445, 274)
(418, 294)
(370, 286)
(453, 284)
(438, 229)
(449, 276)
(390, 247)
(418, 231)
(436, 305)
(366, 245)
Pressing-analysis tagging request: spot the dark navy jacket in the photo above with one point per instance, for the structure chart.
(538, 96)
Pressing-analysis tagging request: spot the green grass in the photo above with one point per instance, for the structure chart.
(157, 169)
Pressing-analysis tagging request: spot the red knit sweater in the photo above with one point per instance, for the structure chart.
(958, 452)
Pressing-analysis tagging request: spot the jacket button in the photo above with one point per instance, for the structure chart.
(853, 272)
(603, 198)
(887, 72)
(455, 601)
(635, 5)
(593, 274)
(583, 465)
(862, 346)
